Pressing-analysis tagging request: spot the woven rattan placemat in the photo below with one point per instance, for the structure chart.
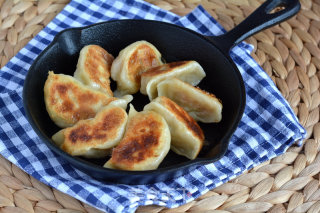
(288, 52)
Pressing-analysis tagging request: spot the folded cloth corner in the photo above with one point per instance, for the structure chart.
(267, 128)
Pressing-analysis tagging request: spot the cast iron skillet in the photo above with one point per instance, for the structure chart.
(176, 44)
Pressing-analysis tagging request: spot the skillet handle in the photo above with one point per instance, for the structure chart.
(259, 20)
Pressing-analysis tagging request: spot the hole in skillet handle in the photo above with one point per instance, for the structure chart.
(276, 6)
(268, 14)
(277, 9)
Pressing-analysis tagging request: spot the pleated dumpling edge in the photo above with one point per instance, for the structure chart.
(188, 71)
(131, 62)
(94, 67)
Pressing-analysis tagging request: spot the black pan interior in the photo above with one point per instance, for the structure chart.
(175, 44)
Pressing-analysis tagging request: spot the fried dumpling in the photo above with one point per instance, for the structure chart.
(93, 138)
(188, 71)
(59, 138)
(131, 62)
(200, 105)
(186, 135)
(145, 143)
(93, 68)
(67, 100)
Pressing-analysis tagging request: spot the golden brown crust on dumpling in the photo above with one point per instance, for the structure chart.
(140, 61)
(186, 135)
(144, 145)
(137, 144)
(68, 100)
(105, 128)
(102, 132)
(212, 96)
(94, 67)
(183, 116)
(165, 68)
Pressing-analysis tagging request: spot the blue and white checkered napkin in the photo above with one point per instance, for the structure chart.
(266, 130)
